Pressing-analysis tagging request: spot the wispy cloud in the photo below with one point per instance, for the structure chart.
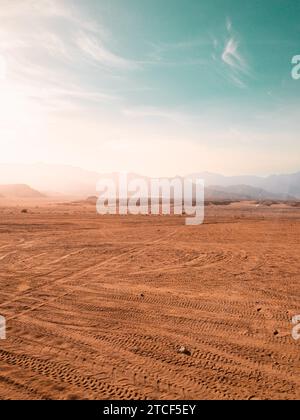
(95, 49)
(44, 43)
(180, 53)
(45, 9)
(233, 59)
(228, 24)
(156, 112)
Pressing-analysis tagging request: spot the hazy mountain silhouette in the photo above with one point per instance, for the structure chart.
(70, 180)
(19, 191)
(243, 192)
(52, 179)
(285, 184)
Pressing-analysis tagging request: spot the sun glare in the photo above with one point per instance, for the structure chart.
(21, 119)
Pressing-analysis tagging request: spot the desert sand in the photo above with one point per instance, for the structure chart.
(144, 307)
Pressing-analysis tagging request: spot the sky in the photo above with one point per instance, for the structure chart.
(155, 87)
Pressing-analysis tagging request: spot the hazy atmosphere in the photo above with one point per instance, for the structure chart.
(149, 203)
(115, 86)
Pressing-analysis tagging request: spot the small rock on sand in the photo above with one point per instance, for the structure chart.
(184, 350)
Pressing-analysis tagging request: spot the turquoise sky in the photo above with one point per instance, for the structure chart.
(148, 85)
(181, 43)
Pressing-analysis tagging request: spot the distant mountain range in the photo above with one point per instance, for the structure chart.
(284, 184)
(19, 191)
(243, 192)
(68, 180)
(50, 179)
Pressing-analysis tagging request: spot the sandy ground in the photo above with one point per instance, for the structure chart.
(97, 307)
